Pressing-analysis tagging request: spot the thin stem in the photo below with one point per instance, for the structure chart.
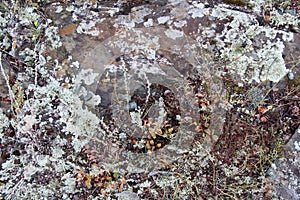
(11, 94)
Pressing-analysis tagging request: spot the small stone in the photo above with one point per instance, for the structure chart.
(291, 76)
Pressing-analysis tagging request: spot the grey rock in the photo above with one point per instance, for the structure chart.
(286, 174)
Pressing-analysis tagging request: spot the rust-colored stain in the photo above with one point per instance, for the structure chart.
(67, 29)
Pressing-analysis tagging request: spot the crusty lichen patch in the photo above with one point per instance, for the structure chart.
(253, 52)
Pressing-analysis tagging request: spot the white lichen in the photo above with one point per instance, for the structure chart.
(174, 34)
(69, 184)
(162, 113)
(198, 10)
(136, 118)
(163, 19)
(284, 19)
(4, 122)
(87, 76)
(265, 62)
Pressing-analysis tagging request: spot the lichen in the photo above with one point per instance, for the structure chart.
(174, 34)
(4, 122)
(265, 62)
(284, 19)
(55, 131)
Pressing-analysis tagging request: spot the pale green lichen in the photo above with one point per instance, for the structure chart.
(81, 123)
(88, 28)
(198, 10)
(136, 17)
(29, 15)
(39, 162)
(27, 122)
(136, 118)
(163, 19)
(284, 19)
(87, 76)
(265, 62)
(22, 176)
(174, 34)
(52, 37)
(69, 184)
(162, 112)
(235, 42)
(4, 122)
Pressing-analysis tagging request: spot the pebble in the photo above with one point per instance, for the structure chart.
(291, 76)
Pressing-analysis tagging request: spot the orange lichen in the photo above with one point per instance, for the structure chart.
(69, 29)
(262, 109)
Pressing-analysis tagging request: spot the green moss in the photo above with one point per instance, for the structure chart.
(239, 49)
(116, 175)
(238, 89)
(293, 84)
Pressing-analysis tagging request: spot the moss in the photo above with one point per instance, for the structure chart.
(239, 49)
(238, 89)
(294, 83)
